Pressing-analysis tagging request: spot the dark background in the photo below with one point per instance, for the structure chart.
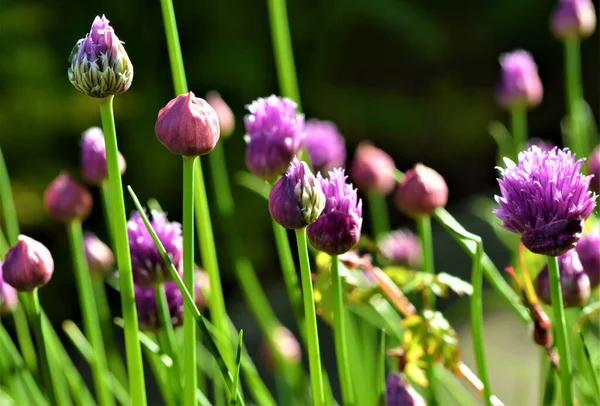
(417, 78)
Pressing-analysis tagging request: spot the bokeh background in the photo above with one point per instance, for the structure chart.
(417, 78)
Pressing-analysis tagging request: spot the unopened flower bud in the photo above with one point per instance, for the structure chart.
(520, 85)
(401, 247)
(574, 281)
(573, 19)
(296, 200)
(421, 192)
(398, 392)
(100, 66)
(8, 296)
(588, 249)
(372, 170)
(224, 113)
(187, 126)
(99, 257)
(28, 265)
(202, 290)
(325, 145)
(287, 345)
(93, 157)
(67, 200)
(593, 168)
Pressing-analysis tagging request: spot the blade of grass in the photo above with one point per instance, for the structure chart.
(381, 354)
(238, 362)
(9, 213)
(590, 367)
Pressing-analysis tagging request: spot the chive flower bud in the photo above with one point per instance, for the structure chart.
(147, 306)
(372, 170)
(100, 259)
(149, 268)
(287, 345)
(202, 289)
(398, 392)
(187, 126)
(274, 135)
(100, 66)
(574, 282)
(401, 247)
(520, 84)
(8, 296)
(594, 169)
(28, 265)
(325, 145)
(337, 230)
(224, 113)
(93, 157)
(545, 198)
(67, 200)
(588, 249)
(296, 200)
(573, 19)
(421, 192)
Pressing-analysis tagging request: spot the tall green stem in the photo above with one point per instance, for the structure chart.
(578, 136)
(91, 322)
(314, 353)
(174, 48)
(556, 297)
(167, 338)
(339, 335)
(24, 338)
(8, 204)
(110, 226)
(518, 120)
(117, 207)
(380, 221)
(424, 231)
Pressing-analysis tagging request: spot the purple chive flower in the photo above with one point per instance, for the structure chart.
(147, 308)
(100, 66)
(421, 191)
(296, 200)
(588, 249)
(325, 145)
(8, 296)
(93, 157)
(520, 85)
(398, 392)
(574, 282)
(67, 200)
(573, 19)
(149, 269)
(188, 126)
(99, 257)
(401, 247)
(594, 169)
(337, 230)
(28, 265)
(545, 198)
(372, 170)
(275, 133)
(224, 113)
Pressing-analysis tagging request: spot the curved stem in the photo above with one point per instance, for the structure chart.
(117, 206)
(561, 331)
(380, 222)
(518, 121)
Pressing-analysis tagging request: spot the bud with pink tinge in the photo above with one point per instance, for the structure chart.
(224, 113)
(421, 192)
(573, 19)
(574, 281)
(93, 157)
(588, 249)
(67, 200)
(286, 344)
(520, 84)
(8, 296)
(188, 126)
(99, 257)
(28, 265)
(593, 168)
(372, 170)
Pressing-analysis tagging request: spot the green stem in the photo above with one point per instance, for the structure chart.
(314, 353)
(341, 347)
(117, 205)
(518, 120)
(424, 231)
(578, 137)
(561, 331)
(380, 221)
(91, 322)
(7, 204)
(24, 339)
(110, 224)
(167, 338)
(174, 48)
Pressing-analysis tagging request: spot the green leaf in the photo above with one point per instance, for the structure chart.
(238, 362)
(503, 139)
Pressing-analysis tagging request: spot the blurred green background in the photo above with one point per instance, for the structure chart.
(417, 78)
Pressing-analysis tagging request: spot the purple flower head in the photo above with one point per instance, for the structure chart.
(588, 249)
(99, 257)
(399, 392)
(28, 265)
(573, 19)
(149, 269)
(574, 282)
(8, 296)
(147, 307)
(93, 157)
(325, 145)
(67, 200)
(545, 198)
(224, 113)
(100, 66)
(421, 191)
(372, 170)
(275, 133)
(296, 200)
(337, 230)
(401, 247)
(594, 169)
(520, 84)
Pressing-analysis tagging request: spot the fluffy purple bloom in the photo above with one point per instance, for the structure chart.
(594, 169)
(325, 145)
(401, 247)
(588, 249)
(337, 230)
(296, 200)
(93, 157)
(574, 282)
(398, 392)
(149, 269)
(545, 198)
(274, 134)
(573, 19)
(100, 258)
(8, 296)
(147, 308)
(520, 84)
(28, 265)
(100, 66)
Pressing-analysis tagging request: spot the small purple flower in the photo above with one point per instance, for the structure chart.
(28, 265)
(296, 200)
(325, 145)
(401, 247)
(93, 157)
(398, 392)
(100, 66)
(99, 257)
(573, 19)
(224, 113)
(67, 200)
(545, 198)
(275, 133)
(588, 249)
(520, 84)
(593, 168)
(574, 282)
(149, 269)
(147, 307)
(421, 191)
(372, 170)
(8, 296)
(337, 230)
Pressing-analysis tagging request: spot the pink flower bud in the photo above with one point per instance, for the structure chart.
(67, 200)
(421, 192)
(28, 265)
(224, 113)
(372, 170)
